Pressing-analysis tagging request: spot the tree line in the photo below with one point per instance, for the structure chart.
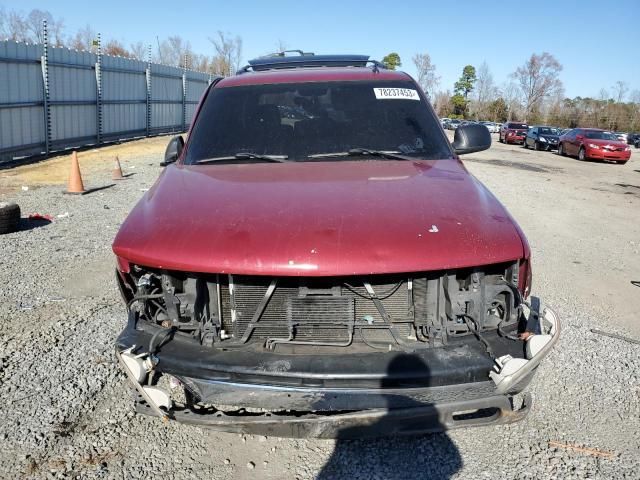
(533, 93)
(173, 50)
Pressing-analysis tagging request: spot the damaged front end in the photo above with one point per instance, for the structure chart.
(352, 356)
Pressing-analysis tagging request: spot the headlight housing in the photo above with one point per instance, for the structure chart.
(542, 139)
(594, 146)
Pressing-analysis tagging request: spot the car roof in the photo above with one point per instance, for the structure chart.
(312, 74)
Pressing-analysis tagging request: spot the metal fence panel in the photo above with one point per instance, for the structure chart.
(166, 98)
(78, 116)
(72, 97)
(124, 98)
(21, 99)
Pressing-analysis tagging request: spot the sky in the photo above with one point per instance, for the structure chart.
(596, 42)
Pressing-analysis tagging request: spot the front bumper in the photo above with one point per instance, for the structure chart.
(601, 154)
(514, 139)
(349, 411)
(550, 145)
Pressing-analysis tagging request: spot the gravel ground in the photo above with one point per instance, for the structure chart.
(67, 409)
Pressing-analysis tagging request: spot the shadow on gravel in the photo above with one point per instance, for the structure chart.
(427, 456)
(32, 223)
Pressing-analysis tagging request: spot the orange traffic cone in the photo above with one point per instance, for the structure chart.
(117, 170)
(75, 179)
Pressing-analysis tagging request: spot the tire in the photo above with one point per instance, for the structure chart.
(582, 155)
(561, 150)
(524, 144)
(9, 217)
(536, 147)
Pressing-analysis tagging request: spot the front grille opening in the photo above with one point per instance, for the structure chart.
(396, 311)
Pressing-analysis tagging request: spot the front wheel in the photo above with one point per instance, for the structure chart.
(536, 147)
(561, 150)
(582, 155)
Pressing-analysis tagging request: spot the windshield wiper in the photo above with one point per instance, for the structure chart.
(247, 156)
(390, 154)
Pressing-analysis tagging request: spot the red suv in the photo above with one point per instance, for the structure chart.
(317, 261)
(513, 132)
(593, 143)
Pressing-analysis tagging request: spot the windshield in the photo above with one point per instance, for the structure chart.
(519, 126)
(297, 121)
(547, 131)
(601, 136)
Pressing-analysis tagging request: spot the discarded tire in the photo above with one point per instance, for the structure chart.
(9, 217)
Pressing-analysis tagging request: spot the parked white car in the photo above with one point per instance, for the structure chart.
(622, 136)
(492, 127)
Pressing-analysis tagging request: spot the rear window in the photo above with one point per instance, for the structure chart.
(518, 126)
(303, 119)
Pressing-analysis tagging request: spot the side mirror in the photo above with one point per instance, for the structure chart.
(579, 137)
(173, 151)
(471, 138)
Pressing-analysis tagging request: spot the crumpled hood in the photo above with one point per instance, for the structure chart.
(318, 219)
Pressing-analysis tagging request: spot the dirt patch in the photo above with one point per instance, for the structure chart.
(96, 165)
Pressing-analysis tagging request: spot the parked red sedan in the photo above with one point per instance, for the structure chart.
(593, 143)
(512, 132)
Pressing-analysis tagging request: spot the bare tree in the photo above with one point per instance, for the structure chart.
(442, 103)
(485, 87)
(537, 79)
(485, 90)
(138, 51)
(512, 98)
(228, 53)
(35, 28)
(172, 51)
(115, 48)
(4, 18)
(427, 78)
(14, 27)
(83, 39)
(620, 90)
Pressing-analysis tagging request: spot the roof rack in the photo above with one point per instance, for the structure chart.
(281, 60)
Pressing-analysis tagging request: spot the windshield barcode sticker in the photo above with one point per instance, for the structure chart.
(396, 93)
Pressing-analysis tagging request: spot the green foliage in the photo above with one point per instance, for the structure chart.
(465, 85)
(460, 105)
(392, 61)
(498, 110)
(590, 112)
